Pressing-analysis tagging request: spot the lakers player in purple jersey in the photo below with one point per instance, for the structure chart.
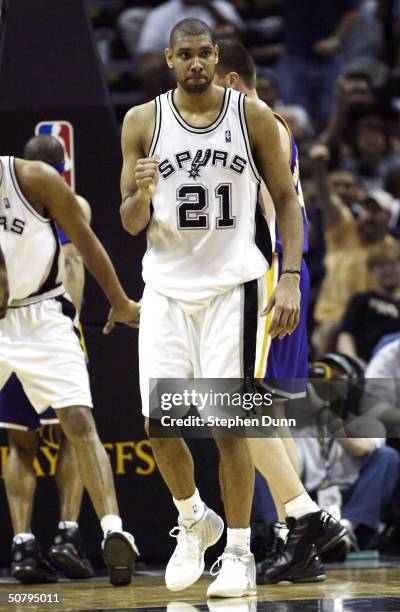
(285, 359)
(201, 267)
(22, 423)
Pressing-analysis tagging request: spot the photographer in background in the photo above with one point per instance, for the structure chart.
(355, 474)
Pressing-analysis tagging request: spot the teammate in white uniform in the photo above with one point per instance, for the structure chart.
(37, 338)
(22, 422)
(190, 154)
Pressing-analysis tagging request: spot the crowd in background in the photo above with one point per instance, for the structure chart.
(332, 70)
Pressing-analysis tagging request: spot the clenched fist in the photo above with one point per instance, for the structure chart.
(147, 175)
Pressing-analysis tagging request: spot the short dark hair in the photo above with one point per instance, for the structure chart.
(190, 27)
(44, 148)
(233, 57)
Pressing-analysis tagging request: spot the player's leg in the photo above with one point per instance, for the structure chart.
(119, 549)
(21, 421)
(164, 341)
(48, 330)
(228, 352)
(310, 529)
(20, 478)
(67, 552)
(68, 479)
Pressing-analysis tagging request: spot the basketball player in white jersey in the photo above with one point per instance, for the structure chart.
(276, 458)
(190, 154)
(22, 422)
(37, 338)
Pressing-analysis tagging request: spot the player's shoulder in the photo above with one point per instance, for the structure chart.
(257, 109)
(32, 173)
(85, 207)
(140, 113)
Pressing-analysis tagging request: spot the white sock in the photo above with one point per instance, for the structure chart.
(24, 537)
(190, 508)
(349, 525)
(300, 506)
(238, 538)
(111, 522)
(67, 524)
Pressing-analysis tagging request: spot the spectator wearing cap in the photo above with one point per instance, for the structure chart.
(376, 313)
(311, 63)
(345, 461)
(348, 241)
(372, 158)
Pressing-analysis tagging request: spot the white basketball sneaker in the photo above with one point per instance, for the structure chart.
(236, 574)
(187, 562)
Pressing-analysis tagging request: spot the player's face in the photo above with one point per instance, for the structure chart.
(193, 59)
(386, 273)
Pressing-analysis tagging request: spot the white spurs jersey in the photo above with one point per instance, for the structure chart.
(29, 243)
(201, 237)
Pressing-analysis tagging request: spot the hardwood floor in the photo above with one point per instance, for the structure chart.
(375, 590)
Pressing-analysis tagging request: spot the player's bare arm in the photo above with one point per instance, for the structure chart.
(274, 169)
(73, 266)
(47, 191)
(139, 175)
(4, 291)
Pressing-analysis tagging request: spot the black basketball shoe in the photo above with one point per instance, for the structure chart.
(119, 552)
(67, 554)
(28, 564)
(313, 533)
(313, 572)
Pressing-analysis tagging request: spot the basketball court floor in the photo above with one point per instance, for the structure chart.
(360, 589)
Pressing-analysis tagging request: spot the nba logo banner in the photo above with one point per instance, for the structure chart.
(228, 136)
(64, 131)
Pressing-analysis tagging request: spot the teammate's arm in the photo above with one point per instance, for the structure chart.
(4, 290)
(274, 169)
(44, 185)
(140, 174)
(73, 266)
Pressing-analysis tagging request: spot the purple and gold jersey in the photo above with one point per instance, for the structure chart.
(294, 168)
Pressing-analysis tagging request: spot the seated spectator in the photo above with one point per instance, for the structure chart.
(373, 314)
(348, 241)
(220, 15)
(299, 122)
(344, 184)
(372, 159)
(381, 397)
(352, 476)
(392, 186)
(354, 98)
(267, 89)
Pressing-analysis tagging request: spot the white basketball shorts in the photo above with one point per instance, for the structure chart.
(226, 338)
(39, 343)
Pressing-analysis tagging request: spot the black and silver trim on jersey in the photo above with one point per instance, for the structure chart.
(243, 125)
(157, 127)
(249, 329)
(13, 174)
(200, 130)
(51, 280)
